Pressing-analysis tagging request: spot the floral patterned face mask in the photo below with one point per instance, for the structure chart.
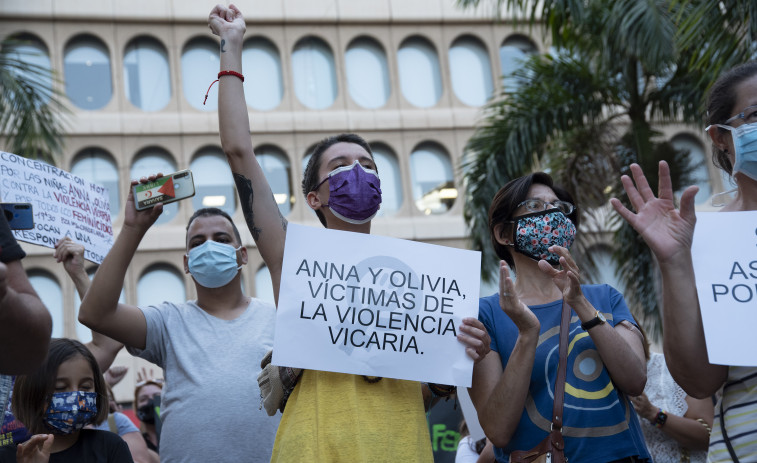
(70, 411)
(535, 233)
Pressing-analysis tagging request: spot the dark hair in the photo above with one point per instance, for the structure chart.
(506, 201)
(310, 178)
(32, 393)
(210, 212)
(721, 102)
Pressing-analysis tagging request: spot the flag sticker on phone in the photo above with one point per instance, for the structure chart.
(155, 192)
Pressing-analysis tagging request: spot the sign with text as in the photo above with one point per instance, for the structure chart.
(63, 204)
(377, 306)
(724, 252)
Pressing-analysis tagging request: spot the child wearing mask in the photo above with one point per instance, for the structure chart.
(65, 394)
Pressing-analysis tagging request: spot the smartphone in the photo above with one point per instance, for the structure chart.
(166, 189)
(20, 216)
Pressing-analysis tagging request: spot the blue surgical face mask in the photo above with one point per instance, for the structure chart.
(213, 264)
(70, 411)
(745, 146)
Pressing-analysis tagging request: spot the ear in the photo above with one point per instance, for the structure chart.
(502, 234)
(313, 200)
(243, 255)
(719, 137)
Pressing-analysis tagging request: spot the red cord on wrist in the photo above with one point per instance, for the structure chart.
(222, 73)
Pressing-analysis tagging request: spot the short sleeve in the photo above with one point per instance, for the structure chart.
(124, 424)
(486, 316)
(10, 250)
(619, 307)
(155, 348)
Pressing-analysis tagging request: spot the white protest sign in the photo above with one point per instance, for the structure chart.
(373, 305)
(724, 252)
(63, 205)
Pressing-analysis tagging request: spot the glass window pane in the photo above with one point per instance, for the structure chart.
(151, 161)
(420, 78)
(51, 295)
(160, 283)
(314, 73)
(84, 334)
(86, 69)
(700, 176)
(278, 172)
(434, 188)
(214, 185)
(97, 166)
(147, 76)
(391, 181)
(199, 67)
(263, 84)
(513, 52)
(31, 51)
(470, 71)
(367, 73)
(264, 285)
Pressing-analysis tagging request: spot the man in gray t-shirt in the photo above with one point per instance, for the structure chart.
(210, 348)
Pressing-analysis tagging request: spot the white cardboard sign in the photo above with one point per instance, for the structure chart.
(372, 305)
(724, 252)
(63, 205)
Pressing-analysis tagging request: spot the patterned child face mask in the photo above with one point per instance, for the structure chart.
(535, 233)
(70, 411)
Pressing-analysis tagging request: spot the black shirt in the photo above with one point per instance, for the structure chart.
(93, 446)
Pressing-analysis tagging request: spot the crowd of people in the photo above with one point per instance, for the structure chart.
(617, 401)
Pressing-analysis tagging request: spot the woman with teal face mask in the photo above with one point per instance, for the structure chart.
(732, 119)
(532, 224)
(56, 402)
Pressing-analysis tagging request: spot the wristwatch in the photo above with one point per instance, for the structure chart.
(660, 418)
(597, 320)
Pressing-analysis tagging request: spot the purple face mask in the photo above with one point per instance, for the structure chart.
(354, 193)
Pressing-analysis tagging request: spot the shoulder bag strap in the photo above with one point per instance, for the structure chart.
(725, 434)
(557, 408)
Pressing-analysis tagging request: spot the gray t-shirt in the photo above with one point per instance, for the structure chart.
(210, 405)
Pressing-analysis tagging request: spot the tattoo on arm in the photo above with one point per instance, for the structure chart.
(283, 220)
(223, 42)
(244, 188)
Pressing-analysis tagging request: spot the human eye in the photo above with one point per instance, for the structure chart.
(750, 115)
(534, 205)
(564, 206)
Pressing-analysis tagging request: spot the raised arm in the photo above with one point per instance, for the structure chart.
(100, 309)
(669, 233)
(71, 254)
(267, 225)
(500, 396)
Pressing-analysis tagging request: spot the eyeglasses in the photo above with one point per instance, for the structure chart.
(537, 205)
(748, 115)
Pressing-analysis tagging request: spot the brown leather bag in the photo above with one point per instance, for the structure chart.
(552, 448)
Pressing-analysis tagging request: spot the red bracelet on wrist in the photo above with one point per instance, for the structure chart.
(220, 74)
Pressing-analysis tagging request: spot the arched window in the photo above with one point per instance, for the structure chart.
(314, 73)
(367, 73)
(263, 84)
(391, 181)
(264, 285)
(159, 283)
(420, 77)
(84, 334)
(147, 76)
(98, 166)
(151, 161)
(697, 163)
(199, 67)
(278, 171)
(86, 69)
(434, 188)
(470, 71)
(512, 54)
(214, 185)
(48, 288)
(31, 51)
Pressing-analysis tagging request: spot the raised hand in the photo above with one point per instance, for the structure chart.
(115, 374)
(141, 220)
(226, 20)
(567, 278)
(35, 450)
(475, 337)
(666, 230)
(71, 254)
(518, 312)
